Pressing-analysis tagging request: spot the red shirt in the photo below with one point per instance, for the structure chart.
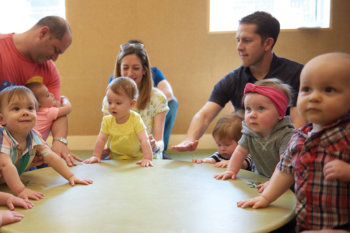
(17, 69)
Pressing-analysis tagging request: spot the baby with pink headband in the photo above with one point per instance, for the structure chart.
(266, 130)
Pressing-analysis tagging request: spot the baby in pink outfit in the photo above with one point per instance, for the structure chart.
(49, 108)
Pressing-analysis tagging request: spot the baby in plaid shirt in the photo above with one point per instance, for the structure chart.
(318, 155)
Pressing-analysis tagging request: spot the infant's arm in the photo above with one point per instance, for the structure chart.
(279, 183)
(55, 161)
(146, 149)
(234, 164)
(11, 177)
(65, 108)
(99, 147)
(262, 187)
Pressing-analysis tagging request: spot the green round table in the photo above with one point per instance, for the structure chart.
(172, 196)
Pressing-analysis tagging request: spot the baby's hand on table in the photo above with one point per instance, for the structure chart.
(74, 180)
(145, 163)
(30, 194)
(262, 187)
(221, 164)
(92, 159)
(13, 201)
(198, 161)
(8, 216)
(256, 202)
(225, 175)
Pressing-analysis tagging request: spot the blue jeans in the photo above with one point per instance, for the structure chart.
(169, 121)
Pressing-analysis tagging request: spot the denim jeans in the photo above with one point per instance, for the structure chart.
(169, 121)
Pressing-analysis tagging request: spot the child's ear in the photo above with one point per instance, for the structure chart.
(2, 121)
(133, 104)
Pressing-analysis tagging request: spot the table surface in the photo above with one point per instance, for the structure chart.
(172, 196)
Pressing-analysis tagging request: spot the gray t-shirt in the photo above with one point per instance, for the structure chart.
(265, 152)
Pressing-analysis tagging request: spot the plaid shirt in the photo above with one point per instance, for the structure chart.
(320, 203)
(21, 158)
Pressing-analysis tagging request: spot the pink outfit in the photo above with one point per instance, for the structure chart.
(17, 69)
(45, 118)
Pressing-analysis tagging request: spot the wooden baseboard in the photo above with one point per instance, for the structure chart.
(83, 142)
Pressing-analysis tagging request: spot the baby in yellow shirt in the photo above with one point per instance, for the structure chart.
(123, 130)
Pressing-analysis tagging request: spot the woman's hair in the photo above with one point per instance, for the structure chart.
(146, 85)
(10, 92)
(229, 126)
(124, 86)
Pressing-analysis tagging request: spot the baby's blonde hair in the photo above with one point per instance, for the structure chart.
(124, 86)
(10, 92)
(229, 126)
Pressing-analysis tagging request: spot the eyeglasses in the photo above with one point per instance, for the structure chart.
(131, 45)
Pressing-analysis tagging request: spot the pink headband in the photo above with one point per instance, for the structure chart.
(278, 98)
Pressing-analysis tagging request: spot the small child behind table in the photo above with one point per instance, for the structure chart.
(265, 129)
(226, 134)
(317, 159)
(20, 144)
(49, 108)
(123, 130)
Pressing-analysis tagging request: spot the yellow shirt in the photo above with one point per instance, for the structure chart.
(122, 138)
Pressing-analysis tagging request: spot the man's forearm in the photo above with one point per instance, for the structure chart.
(197, 128)
(60, 127)
(201, 120)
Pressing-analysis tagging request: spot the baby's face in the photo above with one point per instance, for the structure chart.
(45, 98)
(225, 146)
(324, 94)
(19, 115)
(119, 105)
(261, 115)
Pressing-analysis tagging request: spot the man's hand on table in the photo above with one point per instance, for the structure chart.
(186, 145)
(62, 150)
